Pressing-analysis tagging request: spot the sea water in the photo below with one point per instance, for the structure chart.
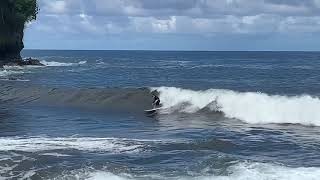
(225, 115)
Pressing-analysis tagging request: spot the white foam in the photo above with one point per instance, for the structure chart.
(5, 72)
(55, 154)
(82, 62)
(12, 70)
(105, 175)
(34, 144)
(16, 68)
(259, 171)
(9, 162)
(56, 64)
(20, 80)
(5, 168)
(89, 173)
(13, 67)
(29, 174)
(251, 107)
(241, 171)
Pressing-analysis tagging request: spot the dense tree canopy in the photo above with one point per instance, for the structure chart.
(26, 9)
(18, 11)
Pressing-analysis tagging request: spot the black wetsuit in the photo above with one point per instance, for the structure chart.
(156, 101)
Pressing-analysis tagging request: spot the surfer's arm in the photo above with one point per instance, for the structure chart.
(156, 102)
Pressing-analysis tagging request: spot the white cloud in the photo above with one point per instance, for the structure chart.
(300, 25)
(56, 7)
(179, 16)
(317, 3)
(167, 25)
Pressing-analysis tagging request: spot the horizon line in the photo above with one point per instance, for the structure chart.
(160, 50)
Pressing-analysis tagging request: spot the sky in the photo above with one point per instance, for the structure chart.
(214, 25)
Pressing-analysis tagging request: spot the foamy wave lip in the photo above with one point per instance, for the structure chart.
(250, 107)
(56, 64)
(35, 144)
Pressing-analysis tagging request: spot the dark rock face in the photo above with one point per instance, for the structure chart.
(9, 57)
(14, 14)
(11, 34)
(10, 52)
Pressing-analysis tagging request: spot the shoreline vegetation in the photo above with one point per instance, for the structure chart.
(14, 14)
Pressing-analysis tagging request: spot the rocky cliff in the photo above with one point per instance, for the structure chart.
(14, 14)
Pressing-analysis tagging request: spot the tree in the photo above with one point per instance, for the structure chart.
(14, 14)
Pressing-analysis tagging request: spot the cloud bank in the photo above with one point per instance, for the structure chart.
(178, 18)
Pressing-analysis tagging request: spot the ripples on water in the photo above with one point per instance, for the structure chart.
(227, 115)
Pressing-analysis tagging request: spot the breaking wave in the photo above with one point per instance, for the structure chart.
(250, 107)
(56, 64)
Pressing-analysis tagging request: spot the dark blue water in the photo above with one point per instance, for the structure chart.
(273, 72)
(225, 115)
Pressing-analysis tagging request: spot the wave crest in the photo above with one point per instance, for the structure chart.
(251, 107)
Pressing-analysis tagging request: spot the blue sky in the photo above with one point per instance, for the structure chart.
(176, 25)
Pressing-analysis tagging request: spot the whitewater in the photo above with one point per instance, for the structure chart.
(240, 171)
(250, 107)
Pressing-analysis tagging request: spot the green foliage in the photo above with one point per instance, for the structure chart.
(14, 14)
(26, 9)
(18, 11)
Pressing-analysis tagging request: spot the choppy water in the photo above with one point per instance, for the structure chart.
(227, 115)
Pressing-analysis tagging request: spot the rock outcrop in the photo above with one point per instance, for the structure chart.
(14, 14)
(25, 62)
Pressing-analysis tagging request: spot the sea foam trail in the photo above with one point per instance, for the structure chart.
(251, 107)
(36, 144)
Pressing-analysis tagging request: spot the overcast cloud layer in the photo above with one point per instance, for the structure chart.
(176, 24)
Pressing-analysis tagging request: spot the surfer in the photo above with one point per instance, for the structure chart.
(156, 106)
(156, 101)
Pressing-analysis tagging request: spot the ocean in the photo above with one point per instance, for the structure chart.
(225, 116)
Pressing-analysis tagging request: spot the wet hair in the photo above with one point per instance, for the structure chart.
(155, 93)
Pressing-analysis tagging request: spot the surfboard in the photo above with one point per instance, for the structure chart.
(150, 111)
